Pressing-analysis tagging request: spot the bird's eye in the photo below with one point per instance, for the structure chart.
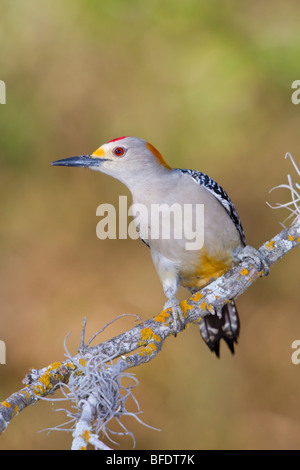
(119, 151)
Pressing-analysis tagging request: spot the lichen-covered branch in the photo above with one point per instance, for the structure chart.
(39, 383)
(143, 342)
(93, 379)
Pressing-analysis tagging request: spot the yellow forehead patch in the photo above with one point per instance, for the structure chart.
(157, 155)
(98, 153)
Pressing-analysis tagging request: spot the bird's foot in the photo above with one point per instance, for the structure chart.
(250, 253)
(177, 314)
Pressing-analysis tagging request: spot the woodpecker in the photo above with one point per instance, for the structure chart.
(140, 166)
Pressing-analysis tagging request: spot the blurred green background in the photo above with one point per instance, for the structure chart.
(209, 84)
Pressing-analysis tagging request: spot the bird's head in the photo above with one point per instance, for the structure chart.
(123, 158)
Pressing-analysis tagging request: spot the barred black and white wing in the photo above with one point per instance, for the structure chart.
(221, 195)
(213, 328)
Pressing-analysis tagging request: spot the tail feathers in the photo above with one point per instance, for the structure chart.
(213, 328)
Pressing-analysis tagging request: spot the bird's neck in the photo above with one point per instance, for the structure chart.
(146, 183)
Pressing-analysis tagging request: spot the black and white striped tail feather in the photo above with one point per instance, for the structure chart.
(213, 328)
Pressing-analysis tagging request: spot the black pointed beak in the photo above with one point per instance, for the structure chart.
(81, 161)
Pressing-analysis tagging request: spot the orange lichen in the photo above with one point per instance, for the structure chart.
(38, 389)
(53, 371)
(86, 435)
(163, 316)
(196, 297)
(291, 238)
(185, 307)
(45, 380)
(205, 306)
(244, 272)
(270, 245)
(147, 334)
(6, 404)
(148, 350)
(70, 365)
(54, 365)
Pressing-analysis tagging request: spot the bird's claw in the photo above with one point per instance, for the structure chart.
(177, 314)
(253, 254)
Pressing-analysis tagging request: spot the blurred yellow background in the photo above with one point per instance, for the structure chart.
(209, 84)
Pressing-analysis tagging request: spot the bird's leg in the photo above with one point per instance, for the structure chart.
(168, 273)
(177, 314)
(252, 254)
(173, 303)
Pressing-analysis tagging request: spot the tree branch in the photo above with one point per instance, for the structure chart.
(145, 340)
(93, 378)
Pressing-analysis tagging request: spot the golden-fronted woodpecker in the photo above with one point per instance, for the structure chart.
(140, 166)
